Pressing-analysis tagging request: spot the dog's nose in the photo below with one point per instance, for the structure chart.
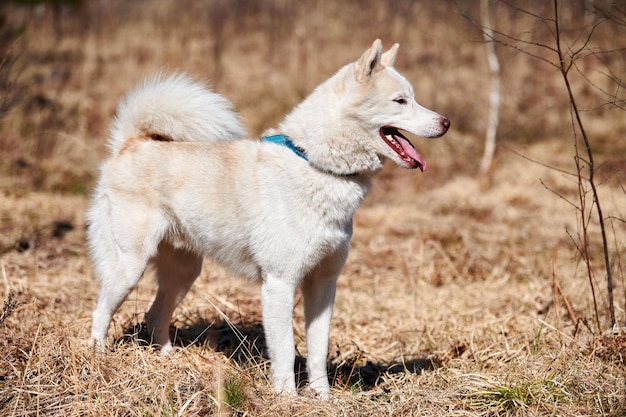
(445, 122)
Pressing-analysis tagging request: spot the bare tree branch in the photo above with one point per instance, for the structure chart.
(564, 68)
(614, 100)
(587, 40)
(564, 57)
(492, 34)
(534, 161)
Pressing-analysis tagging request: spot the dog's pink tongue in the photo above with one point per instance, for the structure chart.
(410, 151)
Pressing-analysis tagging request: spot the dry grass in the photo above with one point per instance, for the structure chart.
(462, 296)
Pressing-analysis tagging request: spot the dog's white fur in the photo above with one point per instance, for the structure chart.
(182, 183)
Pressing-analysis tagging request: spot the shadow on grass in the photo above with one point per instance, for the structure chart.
(245, 345)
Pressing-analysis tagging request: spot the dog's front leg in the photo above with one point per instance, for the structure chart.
(318, 291)
(277, 298)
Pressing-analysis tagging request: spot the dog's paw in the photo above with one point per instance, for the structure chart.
(320, 387)
(167, 349)
(317, 394)
(97, 345)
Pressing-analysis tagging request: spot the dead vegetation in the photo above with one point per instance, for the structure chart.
(462, 295)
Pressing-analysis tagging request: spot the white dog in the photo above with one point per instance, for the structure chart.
(182, 183)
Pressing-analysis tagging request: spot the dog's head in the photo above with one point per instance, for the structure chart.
(385, 101)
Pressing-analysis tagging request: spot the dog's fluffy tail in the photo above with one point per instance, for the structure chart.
(174, 108)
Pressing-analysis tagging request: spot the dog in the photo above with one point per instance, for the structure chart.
(182, 181)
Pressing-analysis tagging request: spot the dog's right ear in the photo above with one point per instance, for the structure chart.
(369, 63)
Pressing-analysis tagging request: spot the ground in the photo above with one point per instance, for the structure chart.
(463, 294)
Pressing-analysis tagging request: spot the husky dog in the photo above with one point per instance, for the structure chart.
(182, 182)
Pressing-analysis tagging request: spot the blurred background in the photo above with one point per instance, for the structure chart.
(500, 275)
(65, 64)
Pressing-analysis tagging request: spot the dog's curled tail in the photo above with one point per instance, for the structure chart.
(174, 108)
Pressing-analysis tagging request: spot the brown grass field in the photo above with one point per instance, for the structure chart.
(463, 295)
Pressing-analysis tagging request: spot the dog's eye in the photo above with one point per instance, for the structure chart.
(400, 100)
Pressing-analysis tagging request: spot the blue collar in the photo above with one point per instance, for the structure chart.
(285, 141)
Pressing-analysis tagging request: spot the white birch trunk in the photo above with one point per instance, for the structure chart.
(494, 94)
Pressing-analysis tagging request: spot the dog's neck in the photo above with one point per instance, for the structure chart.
(332, 141)
(283, 140)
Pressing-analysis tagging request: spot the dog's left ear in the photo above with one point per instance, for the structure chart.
(389, 57)
(369, 63)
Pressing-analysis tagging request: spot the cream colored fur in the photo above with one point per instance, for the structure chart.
(182, 182)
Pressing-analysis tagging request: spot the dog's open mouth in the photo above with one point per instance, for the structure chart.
(401, 145)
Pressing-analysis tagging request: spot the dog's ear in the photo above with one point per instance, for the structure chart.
(369, 63)
(389, 57)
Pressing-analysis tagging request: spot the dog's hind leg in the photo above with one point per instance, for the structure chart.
(177, 269)
(277, 300)
(122, 238)
(117, 281)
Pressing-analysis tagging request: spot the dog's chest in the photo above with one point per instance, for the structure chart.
(335, 200)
